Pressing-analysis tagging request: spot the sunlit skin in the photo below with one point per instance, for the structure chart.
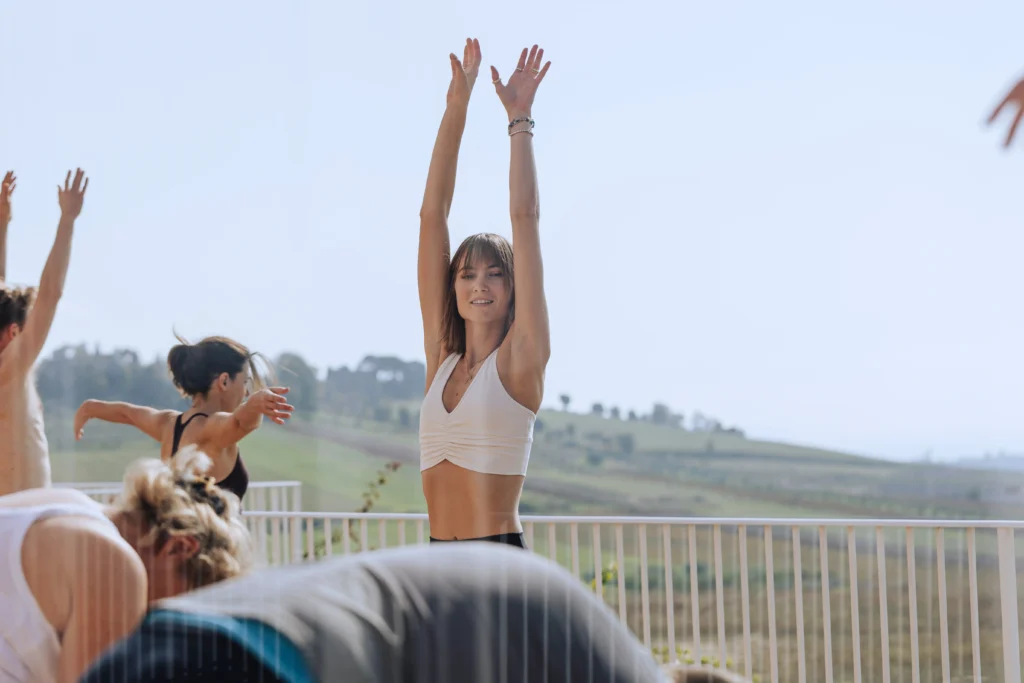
(461, 503)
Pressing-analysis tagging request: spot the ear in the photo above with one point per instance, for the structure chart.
(223, 380)
(181, 548)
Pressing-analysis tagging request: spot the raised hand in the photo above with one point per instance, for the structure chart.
(464, 73)
(10, 181)
(271, 403)
(1016, 98)
(73, 194)
(517, 95)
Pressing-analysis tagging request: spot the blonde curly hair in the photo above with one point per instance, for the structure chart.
(175, 499)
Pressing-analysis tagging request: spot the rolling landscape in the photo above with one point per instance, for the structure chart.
(353, 446)
(350, 425)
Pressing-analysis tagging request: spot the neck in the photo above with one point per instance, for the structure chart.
(207, 404)
(481, 340)
(168, 586)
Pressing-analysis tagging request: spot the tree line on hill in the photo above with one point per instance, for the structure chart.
(380, 388)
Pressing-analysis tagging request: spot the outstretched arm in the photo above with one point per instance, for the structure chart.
(531, 343)
(6, 190)
(221, 430)
(149, 421)
(51, 284)
(435, 249)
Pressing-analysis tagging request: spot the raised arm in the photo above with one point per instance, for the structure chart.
(149, 421)
(435, 249)
(530, 336)
(6, 190)
(51, 284)
(221, 430)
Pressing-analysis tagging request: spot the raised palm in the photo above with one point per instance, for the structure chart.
(1016, 98)
(72, 195)
(517, 95)
(6, 190)
(464, 73)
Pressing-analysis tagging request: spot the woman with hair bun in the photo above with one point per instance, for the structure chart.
(218, 374)
(76, 576)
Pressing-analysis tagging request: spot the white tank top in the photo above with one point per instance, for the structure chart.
(29, 645)
(24, 451)
(488, 431)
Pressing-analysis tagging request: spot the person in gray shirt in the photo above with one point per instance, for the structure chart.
(467, 612)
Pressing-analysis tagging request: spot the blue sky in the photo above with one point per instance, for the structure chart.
(787, 215)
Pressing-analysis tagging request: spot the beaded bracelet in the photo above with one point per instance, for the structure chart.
(515, 122)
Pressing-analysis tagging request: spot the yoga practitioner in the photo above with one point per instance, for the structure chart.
(26, 315)
(485, 326)
(75, 576)
(466, 612)
(218, 374)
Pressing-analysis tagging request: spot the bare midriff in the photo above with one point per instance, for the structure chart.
(463, 504)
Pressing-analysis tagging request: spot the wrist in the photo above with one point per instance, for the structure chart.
(519, 114)
(458, 108)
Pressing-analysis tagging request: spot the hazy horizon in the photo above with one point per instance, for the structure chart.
(790, 217)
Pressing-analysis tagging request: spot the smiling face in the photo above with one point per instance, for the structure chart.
(481, 290)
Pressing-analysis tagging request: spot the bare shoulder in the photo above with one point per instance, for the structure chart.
(434, 364)
(11, 366)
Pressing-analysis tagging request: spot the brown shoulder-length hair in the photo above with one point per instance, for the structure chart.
(496, 251)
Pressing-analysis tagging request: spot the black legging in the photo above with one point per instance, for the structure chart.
(449, 613)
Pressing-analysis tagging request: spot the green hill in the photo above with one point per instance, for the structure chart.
(584, 464)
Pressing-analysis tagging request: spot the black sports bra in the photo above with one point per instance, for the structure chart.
(237, 482)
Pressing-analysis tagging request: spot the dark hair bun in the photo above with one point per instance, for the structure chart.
(181, 361)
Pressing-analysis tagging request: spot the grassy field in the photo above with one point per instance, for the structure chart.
(669, 471)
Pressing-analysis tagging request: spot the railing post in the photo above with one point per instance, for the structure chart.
(1008, 602)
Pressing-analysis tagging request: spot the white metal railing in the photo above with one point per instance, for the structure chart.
(273, 496)
(775, 599)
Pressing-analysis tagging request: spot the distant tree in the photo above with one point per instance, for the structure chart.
(698, 422)
(632, 416)
(570, 430)
(565, 399)
(626, 443)
(660, 413)
(295, 373)
(675, 420)
(594, 458)
(404, 418)
(382, 413)
(597, 409)
(538, 425)
(615, 414)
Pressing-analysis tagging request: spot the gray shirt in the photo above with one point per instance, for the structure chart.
(476, 612)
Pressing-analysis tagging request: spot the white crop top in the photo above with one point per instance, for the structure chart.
(29, 646)
(488, 431)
